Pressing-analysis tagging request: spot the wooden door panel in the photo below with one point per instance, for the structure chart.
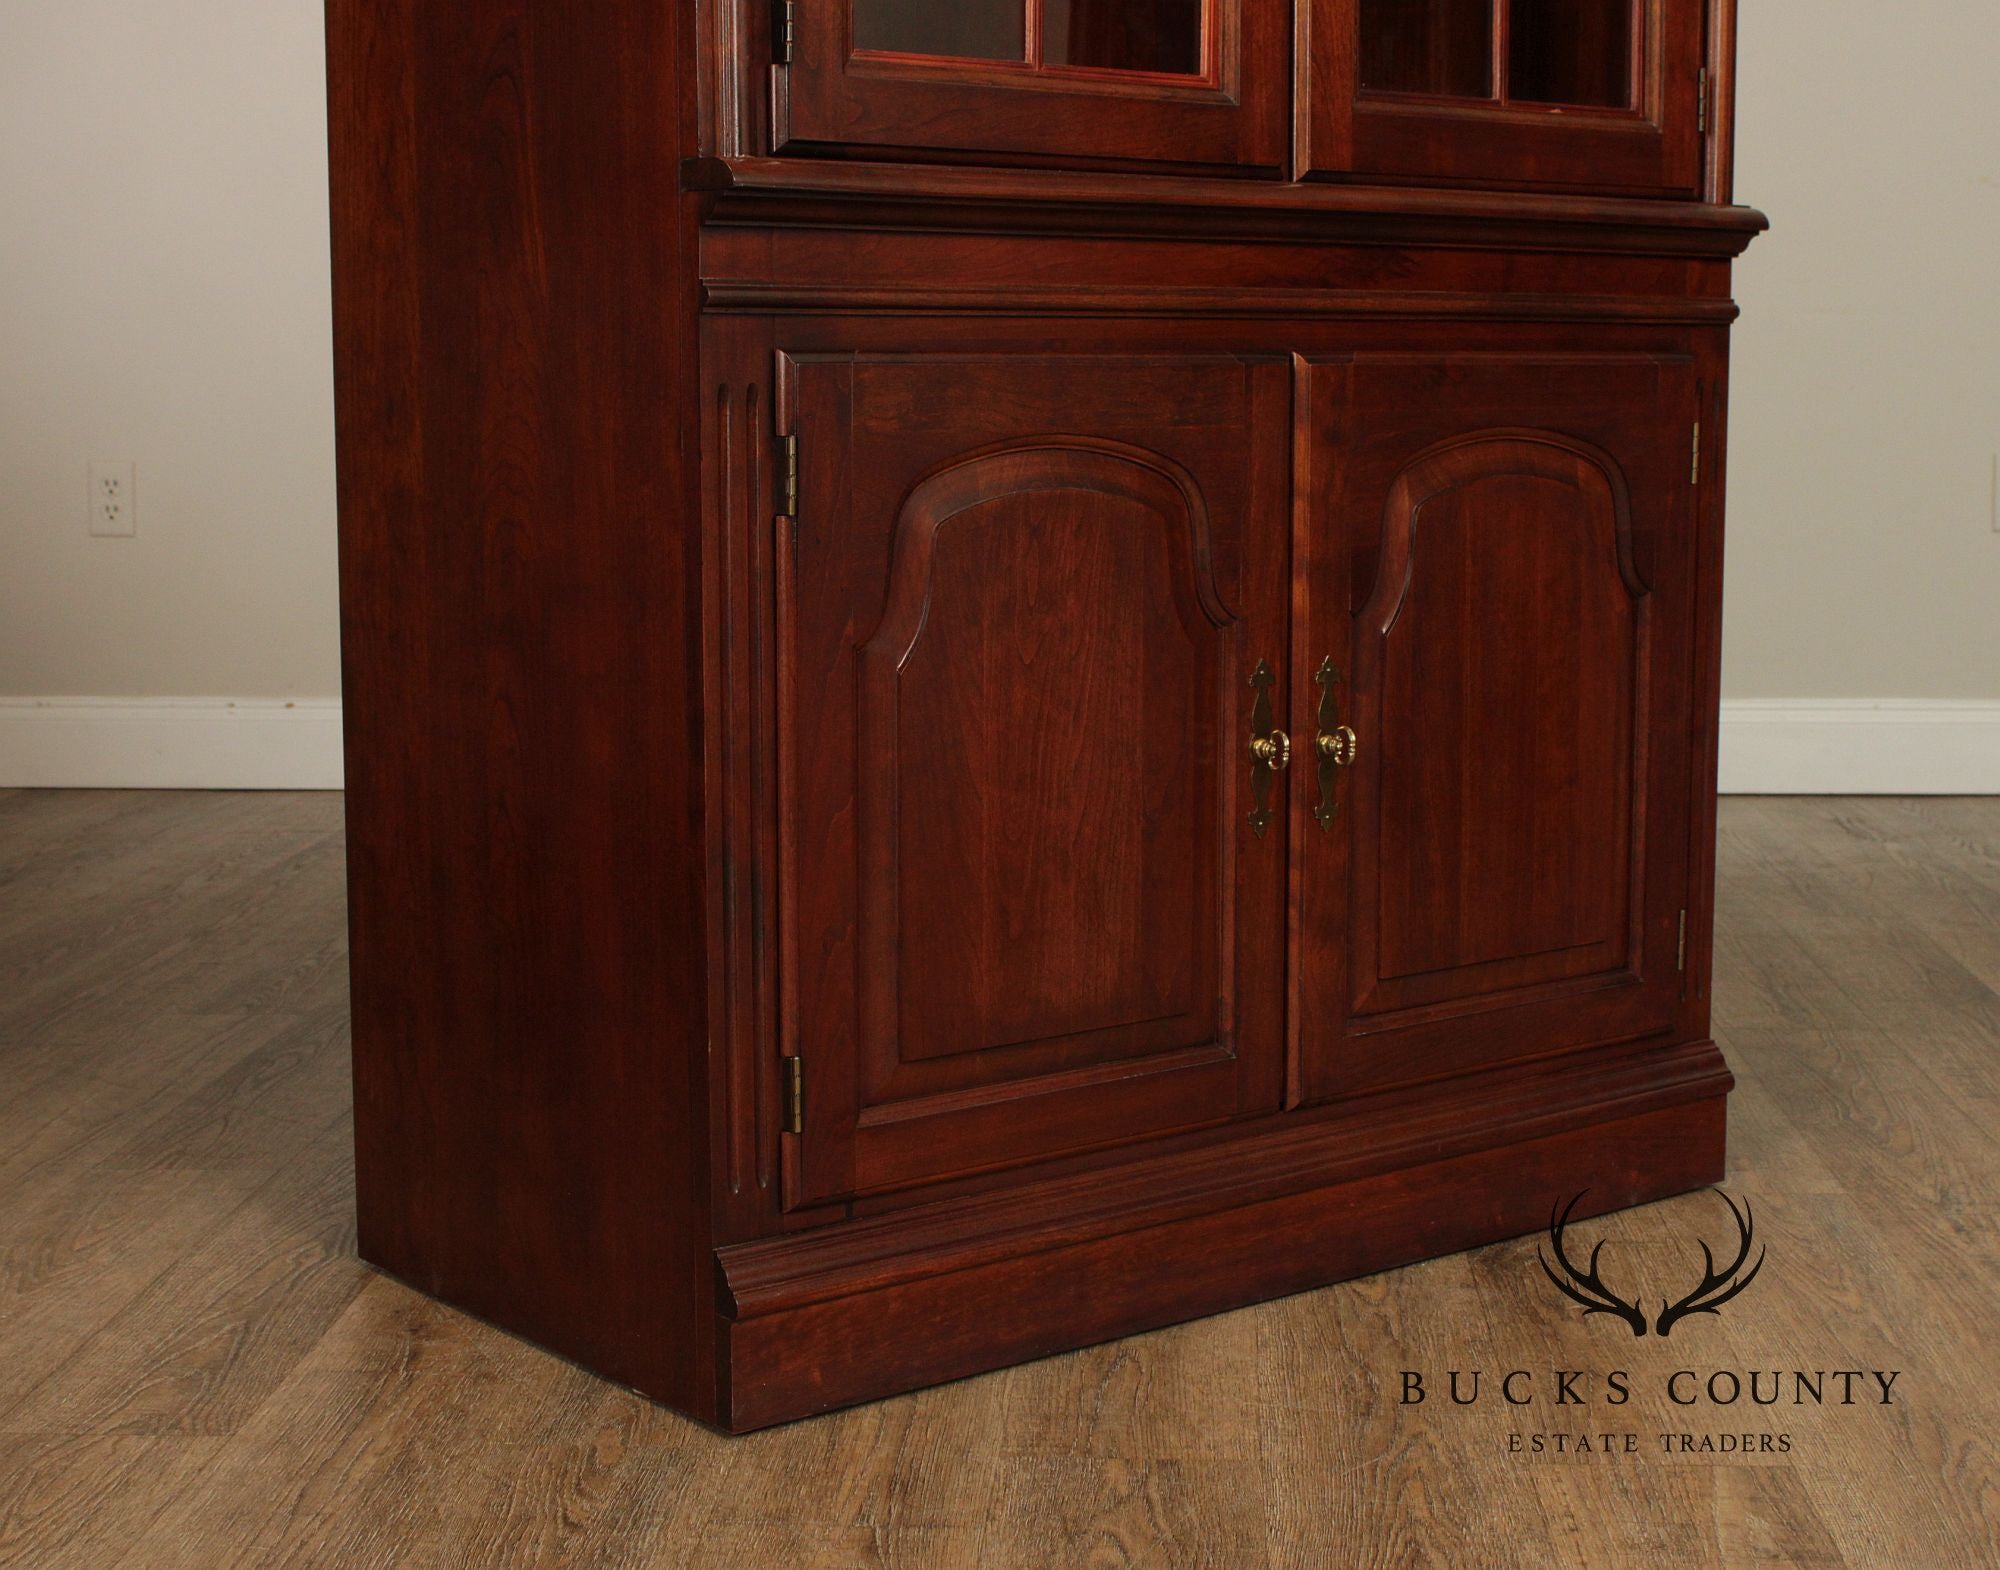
(1027, 913)
(1026, 705)
(1179, 84)
(1503, 688)
(1542, 103)
(1505, 871)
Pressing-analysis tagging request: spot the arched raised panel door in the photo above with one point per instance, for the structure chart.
(1517, 638)
(1500, 663)
(1030, 915)
(1031, 729)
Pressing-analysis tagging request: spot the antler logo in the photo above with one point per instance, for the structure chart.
(1588, 1287)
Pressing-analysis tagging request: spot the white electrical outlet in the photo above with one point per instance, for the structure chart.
(114, 500)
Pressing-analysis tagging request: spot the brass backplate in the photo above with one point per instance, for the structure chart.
(1270, 749)
(1333, 747)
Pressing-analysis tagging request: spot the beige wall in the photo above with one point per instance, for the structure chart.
(163, 289)
(163, 298)
(1863, 560)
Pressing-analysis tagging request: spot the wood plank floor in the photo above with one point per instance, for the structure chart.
(195, 1371)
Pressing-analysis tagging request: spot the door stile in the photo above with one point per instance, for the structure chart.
(1322, 626)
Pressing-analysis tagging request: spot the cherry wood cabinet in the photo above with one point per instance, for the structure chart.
(1021, 670)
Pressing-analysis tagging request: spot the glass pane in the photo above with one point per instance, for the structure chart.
(962, 29)
(1428, 46)
(1124, 35)
(1571, 52)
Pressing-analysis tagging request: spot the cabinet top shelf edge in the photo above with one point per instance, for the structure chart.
(831, 194)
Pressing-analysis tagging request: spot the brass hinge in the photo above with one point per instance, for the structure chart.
(1701, 104)
(1695, 473)
(1681, 952)
(788, 476)
(795, 1094)
(782, 21)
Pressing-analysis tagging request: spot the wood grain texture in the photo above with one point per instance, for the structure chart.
(520, 590)
(1508, 626)
(1857, 989)
(1032, 913)
(1506, 583)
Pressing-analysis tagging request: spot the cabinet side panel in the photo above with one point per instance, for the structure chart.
(514, 316)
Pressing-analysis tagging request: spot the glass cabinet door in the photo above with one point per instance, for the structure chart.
(1590, 94)
(1194, 82)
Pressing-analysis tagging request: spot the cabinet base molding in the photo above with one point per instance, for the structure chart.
(876, 1307)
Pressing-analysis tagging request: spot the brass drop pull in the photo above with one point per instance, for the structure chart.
(1341, 747)
(1336, 744)
(1274, 749)
(1270, 750)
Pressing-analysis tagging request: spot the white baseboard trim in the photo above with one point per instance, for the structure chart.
(170, 743)
(1860, 747)
(1770, 747)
